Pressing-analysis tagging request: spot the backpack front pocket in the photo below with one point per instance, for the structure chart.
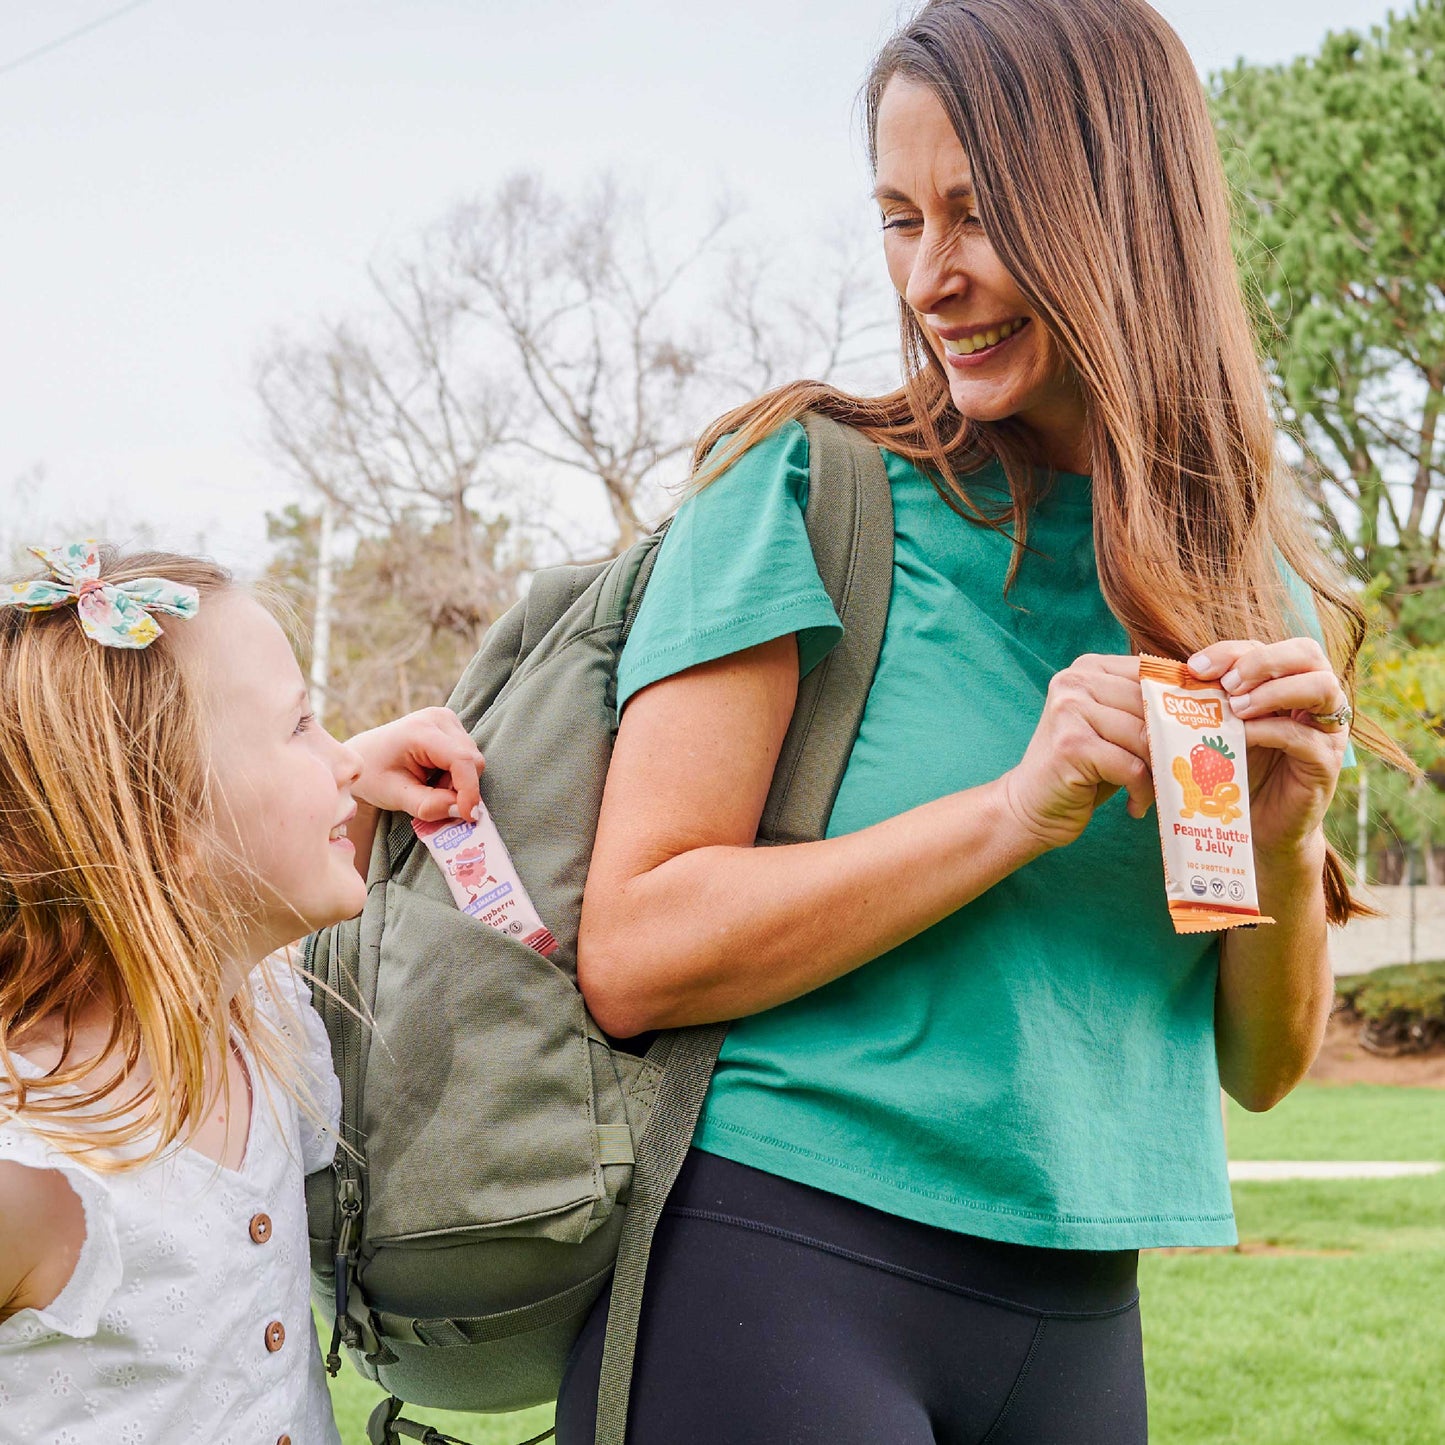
(477, 1112)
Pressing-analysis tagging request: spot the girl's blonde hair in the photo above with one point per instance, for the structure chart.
(107, 841)
(1099, 183)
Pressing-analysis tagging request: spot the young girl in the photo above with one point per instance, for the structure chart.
(173, 815)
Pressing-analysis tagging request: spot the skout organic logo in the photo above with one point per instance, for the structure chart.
(454, 836)
(1195, 712)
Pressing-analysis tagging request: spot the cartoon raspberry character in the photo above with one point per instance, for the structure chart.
(1212, 763)
(469, 868)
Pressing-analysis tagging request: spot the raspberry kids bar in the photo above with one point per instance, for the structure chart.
(1201, 788)
(481, 877)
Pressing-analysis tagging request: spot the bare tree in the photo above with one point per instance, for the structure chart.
(534, 354)
(831, 323)
(400, 630)
(543, 335)
(390, 425)
(587, 312)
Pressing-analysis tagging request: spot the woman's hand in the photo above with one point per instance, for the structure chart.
(402, 761)
(1089, 743)
(1293, 764)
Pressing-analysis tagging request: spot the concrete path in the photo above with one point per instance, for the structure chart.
(1255, 1170)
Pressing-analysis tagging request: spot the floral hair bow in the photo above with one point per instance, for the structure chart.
(115, 614)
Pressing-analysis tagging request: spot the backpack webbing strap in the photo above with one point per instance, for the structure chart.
(686, 1072)
(850, 526)
(386, 1427)
(452, 1331)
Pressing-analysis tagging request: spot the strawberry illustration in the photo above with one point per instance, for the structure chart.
(1212, 763)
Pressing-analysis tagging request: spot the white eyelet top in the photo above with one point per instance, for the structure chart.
(187, 1318)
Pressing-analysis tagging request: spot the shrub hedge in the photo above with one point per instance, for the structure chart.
(1399, 1010)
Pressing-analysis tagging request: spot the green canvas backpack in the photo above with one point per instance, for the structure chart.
(506, 1155)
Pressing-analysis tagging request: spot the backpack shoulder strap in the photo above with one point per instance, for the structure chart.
(552, 592)
(850, 526)
(687, 1058)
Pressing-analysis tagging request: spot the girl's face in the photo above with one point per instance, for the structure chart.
(283, 783)
(999, 358)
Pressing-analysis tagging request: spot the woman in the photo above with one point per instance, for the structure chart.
(974, 1069)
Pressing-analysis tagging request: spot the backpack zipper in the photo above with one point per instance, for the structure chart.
(348, 1173)
(348, 1201)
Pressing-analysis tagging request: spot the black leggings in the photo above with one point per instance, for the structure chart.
(777, 1314)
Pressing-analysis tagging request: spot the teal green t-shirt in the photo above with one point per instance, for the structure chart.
(1038, 1067)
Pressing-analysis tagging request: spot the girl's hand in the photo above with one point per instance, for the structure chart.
(401, 760)
(1089, 743)
(1293, 764)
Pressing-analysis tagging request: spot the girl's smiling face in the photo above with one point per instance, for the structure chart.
(1000, 360)
(282, 782)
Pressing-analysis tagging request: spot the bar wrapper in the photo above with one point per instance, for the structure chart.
(481, 877)
(1201, 788)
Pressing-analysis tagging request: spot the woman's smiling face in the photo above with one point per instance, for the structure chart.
(999, 358)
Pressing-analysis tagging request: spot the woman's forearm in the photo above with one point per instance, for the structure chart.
(739, 930)
(1276, 986)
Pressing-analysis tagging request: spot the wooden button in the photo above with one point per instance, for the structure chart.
(260, 1228)
(283, 1440)
(275, 1336)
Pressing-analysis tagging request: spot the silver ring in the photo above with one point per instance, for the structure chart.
(1332, 722)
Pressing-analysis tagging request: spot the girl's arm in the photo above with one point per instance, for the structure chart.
(685, 921)
(424, 764)
(42, 1224)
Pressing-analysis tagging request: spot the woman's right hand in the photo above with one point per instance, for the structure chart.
(1089, 743)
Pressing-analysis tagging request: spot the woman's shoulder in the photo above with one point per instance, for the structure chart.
(736, 569)
(747, 510)
(775, 463)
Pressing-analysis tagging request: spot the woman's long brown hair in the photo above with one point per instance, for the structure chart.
(1099, 183)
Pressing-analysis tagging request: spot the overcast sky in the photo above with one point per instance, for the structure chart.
(188, 177)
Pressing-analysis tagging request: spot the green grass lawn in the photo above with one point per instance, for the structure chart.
(1343, 1121)
(1329, 1329)
(354, 1399)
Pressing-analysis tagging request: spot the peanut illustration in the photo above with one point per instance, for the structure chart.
(1193, 793)
(1222, 803)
